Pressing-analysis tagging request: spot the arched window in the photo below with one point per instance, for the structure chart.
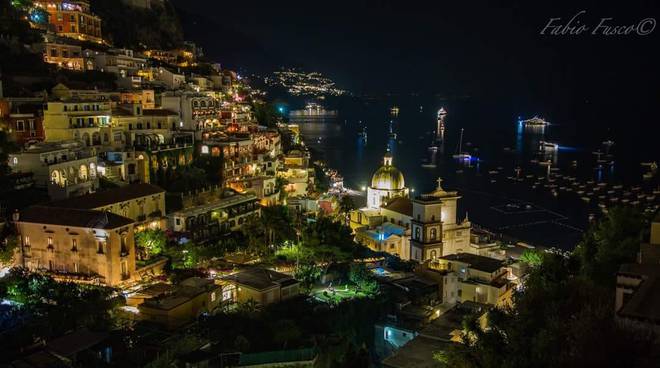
(434, 233)
(195, 103)
(417, 233)
(203, 103)
(82, 173)
(433, 254)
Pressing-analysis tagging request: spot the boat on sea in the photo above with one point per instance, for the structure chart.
(459, 152)
(548, 146)
(313, 110)
(535, 121)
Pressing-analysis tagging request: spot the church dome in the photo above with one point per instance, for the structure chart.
(388, 177)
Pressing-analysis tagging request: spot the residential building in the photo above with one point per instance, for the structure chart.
(73, 19)
(637, 300)
(197, 111)
(263, 186)
(66, 168)
(435, 229)
(146, 98)
(143, 203)
(122, 62)
(63, 55)
(23, 123)
(184, 304)
(236, 153)
(263, 286)
(84, 120)
(171, 80)
(480, 279)
(211, 213)
(75, 244)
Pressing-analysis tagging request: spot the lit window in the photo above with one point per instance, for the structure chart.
(213, 296)
(26, 240)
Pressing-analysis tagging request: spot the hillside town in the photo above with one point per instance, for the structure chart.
(157, 210)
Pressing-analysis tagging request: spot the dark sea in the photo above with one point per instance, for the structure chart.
(497, 184)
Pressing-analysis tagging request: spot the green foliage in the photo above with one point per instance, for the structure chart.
(321, 181)
(151, 241)
(7, 249)
(328, 241)
(308, 274)
(609, 243)
(266, 114)
(564, 316)
(360, 276)
(532, 257)
(346, 204)
(55, 307)
(184, 179)
(176, 347)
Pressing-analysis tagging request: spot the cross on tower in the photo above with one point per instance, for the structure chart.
(439, 184)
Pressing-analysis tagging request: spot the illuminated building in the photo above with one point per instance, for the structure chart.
(386, 183)
(435, 229)
(197, 111)
(213, 212)
(73, 19)
(263, 286)
(77, 245)
(65, 168)
(84, 120)
(23, 122)
(121, 62)
(142, 203)
(144, 97)
(175, 57)
(63, 55)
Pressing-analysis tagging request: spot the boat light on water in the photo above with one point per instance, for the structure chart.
(548, 146)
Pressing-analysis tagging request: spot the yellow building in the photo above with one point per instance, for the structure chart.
(263, 286)
(88, 121)
(78, 245)
(480, 279)
(142, 203)
(184, 304)
(63, 55)
(436, 230)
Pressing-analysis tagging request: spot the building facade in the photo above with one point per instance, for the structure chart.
(77, 245)
(435, 229)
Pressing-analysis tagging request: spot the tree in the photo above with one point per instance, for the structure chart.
(328, 242)
(346, 205)
(152, 242)
(360, 276)
(532, 257)
(308, 274)
(285, 330)
(277, 224)
(559, 319)
(609, 243)
(8, 249)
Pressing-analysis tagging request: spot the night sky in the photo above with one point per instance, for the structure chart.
(452, 48)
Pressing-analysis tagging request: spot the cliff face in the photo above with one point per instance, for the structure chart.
(132, 27)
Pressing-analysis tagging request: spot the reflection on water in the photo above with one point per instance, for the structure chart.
(482, 182)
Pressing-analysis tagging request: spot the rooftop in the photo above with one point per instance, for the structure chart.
(401, 205)
(261, 278)
(480, 263)
(108, 197)
(73, 217)
(645, 301)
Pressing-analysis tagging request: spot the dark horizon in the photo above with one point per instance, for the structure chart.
(450, 49)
